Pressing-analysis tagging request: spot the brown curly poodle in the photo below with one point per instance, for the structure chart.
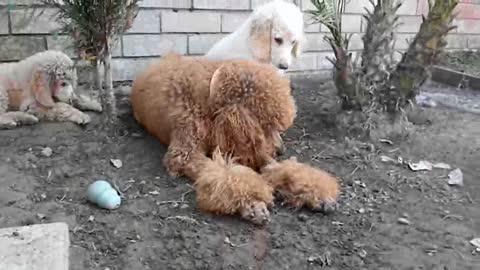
(202, 108)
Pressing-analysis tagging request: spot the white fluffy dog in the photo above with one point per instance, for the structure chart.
(272, 34)
(41, 87)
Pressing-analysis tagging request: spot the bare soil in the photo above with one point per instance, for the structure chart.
(159, 227)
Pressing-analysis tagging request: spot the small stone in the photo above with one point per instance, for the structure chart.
(184, 206)
(47, 152)
(302, 217)
(40, 216)
(403, 221)
(361, 210)
(117, 163)
(362, 253)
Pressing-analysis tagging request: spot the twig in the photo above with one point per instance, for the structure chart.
(453, 216)
(183, 218)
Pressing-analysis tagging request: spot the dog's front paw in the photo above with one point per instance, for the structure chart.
(7, 123)
(302, 185)
(327, 206)
(80, 118)
(85, 103)
(256, 212)
(29, 119)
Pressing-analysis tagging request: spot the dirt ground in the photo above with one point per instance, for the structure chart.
(159, 227)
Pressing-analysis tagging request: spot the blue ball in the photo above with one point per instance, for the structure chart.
(96, 189)
(109, 199)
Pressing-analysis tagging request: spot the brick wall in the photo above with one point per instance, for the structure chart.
(193, 26)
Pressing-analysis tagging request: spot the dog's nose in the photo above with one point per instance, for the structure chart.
(283, 66)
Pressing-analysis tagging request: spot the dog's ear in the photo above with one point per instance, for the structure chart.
(297, 47)
(216, 81)
(42, 89)
(260, 39)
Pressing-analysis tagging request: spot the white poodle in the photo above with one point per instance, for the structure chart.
(41, 87)
(272, 34)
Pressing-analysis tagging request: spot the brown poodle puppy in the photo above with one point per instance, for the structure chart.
(201, 108)
(302, 185)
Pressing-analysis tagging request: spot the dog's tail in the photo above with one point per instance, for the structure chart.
(236, 129)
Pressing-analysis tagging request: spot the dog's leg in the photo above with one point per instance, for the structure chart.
(278, 142)
(302, 185)
(10, 120)
(226, 188)
(85, 103)
(63, 112)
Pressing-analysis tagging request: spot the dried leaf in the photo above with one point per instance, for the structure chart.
(422, 165)
(455, 178)
(387, 159)
(117, 163)
(442, 165)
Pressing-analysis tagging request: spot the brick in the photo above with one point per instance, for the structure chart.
(62, 43)
(316, 42)
(232, 21)
(165, 3)
(468, 11)
(307, 5)
(39, 247)
(222, 4)
(457, 41)
(403, 41)
(21, 2)
(66, 45)
(147, 21)
(306, 61)
(3, 21)
(200, 44)
(19, 47)
(309, 24)
(191, 22)
(127, 69)
(474, 42)
(409, 24)
(358, 6)
(154, 45)
(351, 23)
(323, 63)
(23, 22)
(409, 7)
(257, 3)
(468, 26)
(356, 42)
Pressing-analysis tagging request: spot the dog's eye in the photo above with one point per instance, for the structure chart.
(279, 41)
(63, 84)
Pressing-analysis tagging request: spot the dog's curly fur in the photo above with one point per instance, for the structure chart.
(201, 108)
(41, 87)
(292, 180)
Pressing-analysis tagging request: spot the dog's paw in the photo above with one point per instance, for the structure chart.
(326, 207)
(256, 212)
(80, 118)
(8, 123)
(29, 119)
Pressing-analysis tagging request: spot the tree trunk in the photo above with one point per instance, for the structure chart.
(98, 74)
(413, 69)
(108, 96)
